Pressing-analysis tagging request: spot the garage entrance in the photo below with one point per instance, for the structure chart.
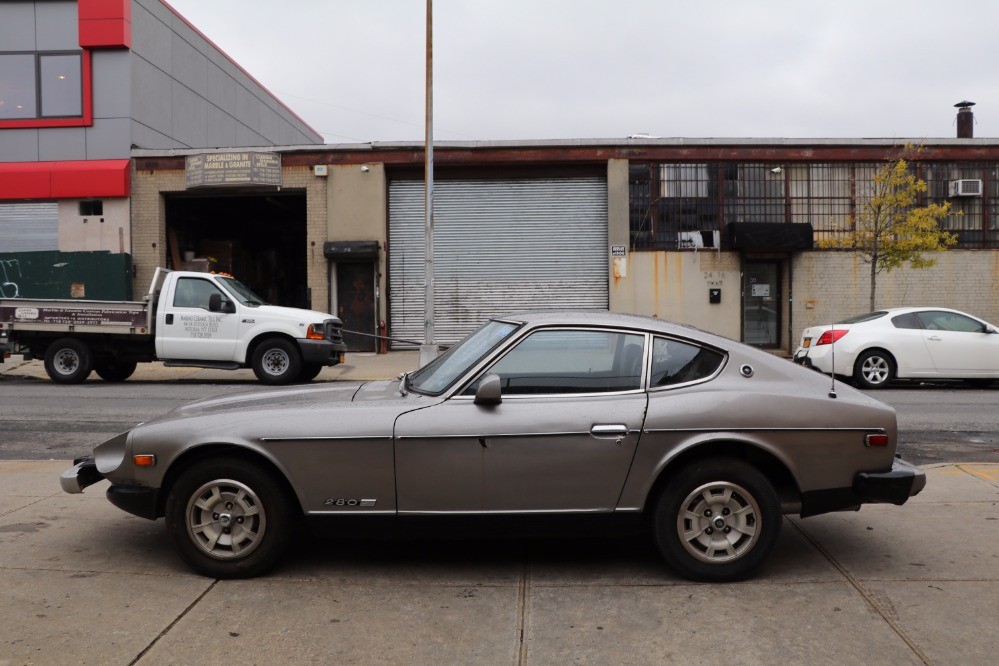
(260, 239)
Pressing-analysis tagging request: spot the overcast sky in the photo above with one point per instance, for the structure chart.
(582, 69)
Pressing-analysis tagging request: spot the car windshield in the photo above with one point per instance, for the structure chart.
(859, 319)
(436, 376)
(242, 293)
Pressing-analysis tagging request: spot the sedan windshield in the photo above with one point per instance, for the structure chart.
(242, 293)
(436, 376)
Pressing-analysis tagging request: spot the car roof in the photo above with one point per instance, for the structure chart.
(604, 318)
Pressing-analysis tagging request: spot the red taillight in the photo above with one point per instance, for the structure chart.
(877, 440)
(830, 337)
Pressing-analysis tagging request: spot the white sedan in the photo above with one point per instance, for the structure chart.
(904, 343)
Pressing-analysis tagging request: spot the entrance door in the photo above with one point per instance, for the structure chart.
(355, 298)
(761, 303)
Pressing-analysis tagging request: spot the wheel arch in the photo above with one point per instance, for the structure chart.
(768, 463)
(259, 338)
(195, 455)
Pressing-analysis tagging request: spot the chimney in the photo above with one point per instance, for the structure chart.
(965, 120)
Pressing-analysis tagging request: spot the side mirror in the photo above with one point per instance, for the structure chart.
(489, 391)
(217, 304)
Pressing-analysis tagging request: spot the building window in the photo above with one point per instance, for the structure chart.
(91, 208)
(41, 85)
(966, 214)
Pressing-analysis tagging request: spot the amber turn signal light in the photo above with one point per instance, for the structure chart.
(315, 332)
(144, 460)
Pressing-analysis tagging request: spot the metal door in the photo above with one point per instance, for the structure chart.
(355, 298)
(761, 300)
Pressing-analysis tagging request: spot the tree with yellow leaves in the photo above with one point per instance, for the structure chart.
(888, 228)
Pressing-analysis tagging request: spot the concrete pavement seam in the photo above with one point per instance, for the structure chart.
(866, 594)
(170, 626)
(523, 610)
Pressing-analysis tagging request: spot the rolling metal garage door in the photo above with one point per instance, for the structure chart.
(500, 246)
(29, 227)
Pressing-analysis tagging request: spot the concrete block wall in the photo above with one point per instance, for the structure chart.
(833, 285)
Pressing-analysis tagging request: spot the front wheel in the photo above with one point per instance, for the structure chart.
(276, 361)
(229, 518)
(68, 361)
(717, 520)
(112, 370)
(874, 369)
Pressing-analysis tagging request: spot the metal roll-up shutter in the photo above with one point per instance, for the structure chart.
(29, 227)
(500, 246)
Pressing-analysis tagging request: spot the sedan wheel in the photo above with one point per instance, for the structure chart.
(229, 518)
(717, 520)
(874, 369)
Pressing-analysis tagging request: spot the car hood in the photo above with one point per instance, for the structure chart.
(296, 314)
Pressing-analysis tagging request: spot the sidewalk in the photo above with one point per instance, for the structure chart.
(358, 367)
(86, 583)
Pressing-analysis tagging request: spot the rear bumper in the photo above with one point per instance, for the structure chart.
(322, 352)
(81, 475)
(894, 487)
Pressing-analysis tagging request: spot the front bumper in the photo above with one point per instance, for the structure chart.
(322, 352)
(894, 487)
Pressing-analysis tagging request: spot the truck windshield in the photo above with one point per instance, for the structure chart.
(436, 376)
(241, 292)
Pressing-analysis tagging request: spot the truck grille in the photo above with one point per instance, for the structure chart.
(334, 330)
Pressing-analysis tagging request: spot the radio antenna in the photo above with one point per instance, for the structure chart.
(832, 334)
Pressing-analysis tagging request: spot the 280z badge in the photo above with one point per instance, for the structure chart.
(341, 501)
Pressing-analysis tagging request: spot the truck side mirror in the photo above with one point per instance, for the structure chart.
(217, 304)
(489, 391)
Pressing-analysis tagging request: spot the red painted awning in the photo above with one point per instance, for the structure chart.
(64, 180)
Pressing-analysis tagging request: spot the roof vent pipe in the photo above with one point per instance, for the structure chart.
(965, 120)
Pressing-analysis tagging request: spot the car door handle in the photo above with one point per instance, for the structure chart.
(609, 430)
(935, 338)
(169, 319)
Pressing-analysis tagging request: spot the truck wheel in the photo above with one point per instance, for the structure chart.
(68, 361)
(229, 518)
(113, 370)
(717, 520)
(309, 372)
(276, 361)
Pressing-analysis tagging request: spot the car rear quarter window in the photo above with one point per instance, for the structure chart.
(907, 320)
(676, 362)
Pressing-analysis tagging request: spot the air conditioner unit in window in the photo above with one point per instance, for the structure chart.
(697, 239)
(966, 187)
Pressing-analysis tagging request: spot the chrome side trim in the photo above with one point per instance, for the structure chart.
(322, 439)
(500, 512)
(652, 431)
(508, 434)
(380, 512)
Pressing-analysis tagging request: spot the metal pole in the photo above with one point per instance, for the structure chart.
(428, 350)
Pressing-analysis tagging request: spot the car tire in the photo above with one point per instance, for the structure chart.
(113, 370)
(703, 506)
(229, 518)
(309, 371)
(68, 361)
(276, 361)
(874, 369)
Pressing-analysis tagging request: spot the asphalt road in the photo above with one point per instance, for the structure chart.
(40, 420)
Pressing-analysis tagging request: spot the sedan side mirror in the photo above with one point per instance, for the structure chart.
(489, 391)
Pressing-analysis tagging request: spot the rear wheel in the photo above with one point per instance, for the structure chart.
(276, 361)
(874, 369)
(68, 361)
(229, 518)
(717, 520)
(114, 370)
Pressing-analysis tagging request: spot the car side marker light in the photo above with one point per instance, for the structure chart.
(877, 440)
(144, 460)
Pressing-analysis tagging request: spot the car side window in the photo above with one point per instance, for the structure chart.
(571, 361)
(949, 321)
(193, 293)
(675, 362)
(906, 321)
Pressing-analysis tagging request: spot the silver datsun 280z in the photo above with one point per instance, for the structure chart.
(707, 440)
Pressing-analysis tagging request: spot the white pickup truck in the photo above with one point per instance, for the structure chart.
(187, 319)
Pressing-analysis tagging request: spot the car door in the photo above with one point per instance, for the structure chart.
(959, 345)
(186, 329)
(562, 438)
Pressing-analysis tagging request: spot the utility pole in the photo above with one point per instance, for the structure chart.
(428, 350)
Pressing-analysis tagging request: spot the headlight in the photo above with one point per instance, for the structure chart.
(316, 332)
